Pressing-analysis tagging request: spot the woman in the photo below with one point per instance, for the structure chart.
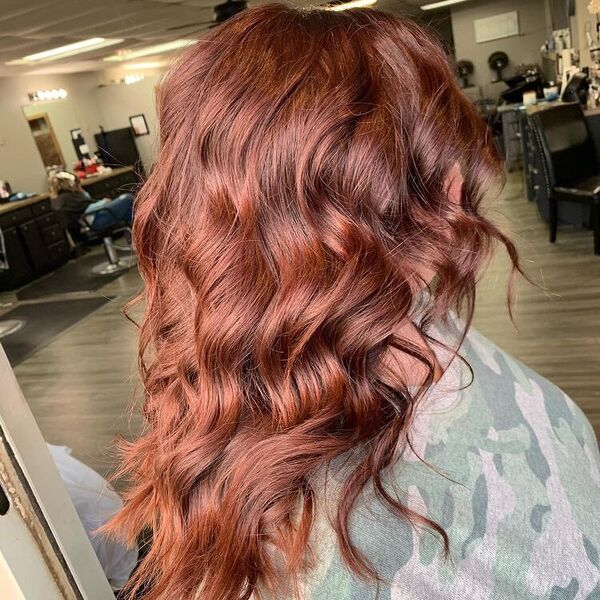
(308, 230)
(74, 202)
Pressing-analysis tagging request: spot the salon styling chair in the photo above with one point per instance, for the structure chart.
(568, 161)
(85, 234)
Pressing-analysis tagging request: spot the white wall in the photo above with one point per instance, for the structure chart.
(582, 16)
(78, 111)
(523, 48)
(20, 162)
(86, 107)
(118, 102)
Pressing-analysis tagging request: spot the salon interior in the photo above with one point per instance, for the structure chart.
(77, 120)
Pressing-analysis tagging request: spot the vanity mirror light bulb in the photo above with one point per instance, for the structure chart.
(54, 94)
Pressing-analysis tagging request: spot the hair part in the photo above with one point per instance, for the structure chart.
(300, 189)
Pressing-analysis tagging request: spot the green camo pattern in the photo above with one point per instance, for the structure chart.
(517, 491)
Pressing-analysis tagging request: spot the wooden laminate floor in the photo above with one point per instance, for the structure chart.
(80, 385)
(557, 325)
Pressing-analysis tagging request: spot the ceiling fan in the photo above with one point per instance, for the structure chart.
(221, 12)
(230, 8)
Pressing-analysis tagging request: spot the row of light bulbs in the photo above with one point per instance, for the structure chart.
(132, 78)
(61, 93)
(41, 95)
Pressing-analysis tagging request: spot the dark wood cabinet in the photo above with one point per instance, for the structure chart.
(120, 181)
(21, 270)
(32, 237)
(34, 241)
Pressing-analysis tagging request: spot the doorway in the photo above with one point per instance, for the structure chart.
(45, 140)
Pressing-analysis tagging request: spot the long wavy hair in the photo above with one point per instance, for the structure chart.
(300, 192)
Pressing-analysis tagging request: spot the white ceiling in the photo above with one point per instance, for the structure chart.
(29, 26)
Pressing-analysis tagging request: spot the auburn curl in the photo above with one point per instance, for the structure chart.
(300, 190)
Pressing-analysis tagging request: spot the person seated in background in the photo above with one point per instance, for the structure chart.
(95, 502)
(7, 195)
(74, 202)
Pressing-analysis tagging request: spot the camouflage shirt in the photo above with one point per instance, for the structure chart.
(517, 490)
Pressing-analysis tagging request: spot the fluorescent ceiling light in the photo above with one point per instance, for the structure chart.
(440, 4)
(349, 5)
(68, 50)
(149, 50)
(144, 65)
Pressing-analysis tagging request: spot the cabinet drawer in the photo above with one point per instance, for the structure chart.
(58, 252)
(113, 186)
(52, 234)
(41, 208)
(127, 183)
(47, 220)
(15, 217)
(100, 188)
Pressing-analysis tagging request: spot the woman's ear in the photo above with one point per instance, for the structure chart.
(455, 184)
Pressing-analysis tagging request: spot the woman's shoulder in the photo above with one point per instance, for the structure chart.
(508, 465)
(507, 397)
(490, 404)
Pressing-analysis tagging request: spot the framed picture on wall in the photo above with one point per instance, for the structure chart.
(139, 125)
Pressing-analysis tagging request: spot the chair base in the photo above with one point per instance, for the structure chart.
(109, 268)
(114, 263)
(10, 326)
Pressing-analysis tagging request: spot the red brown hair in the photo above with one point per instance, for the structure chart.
(300, 189)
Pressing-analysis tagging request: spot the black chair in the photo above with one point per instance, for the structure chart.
(81, 232)
(568, 161)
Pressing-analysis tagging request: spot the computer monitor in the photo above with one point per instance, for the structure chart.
(117, 148)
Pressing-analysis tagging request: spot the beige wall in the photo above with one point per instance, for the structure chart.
(118, 102)
(523, 48)
(78, 111)
(20, 162)
(87, 106)
(578, 27)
